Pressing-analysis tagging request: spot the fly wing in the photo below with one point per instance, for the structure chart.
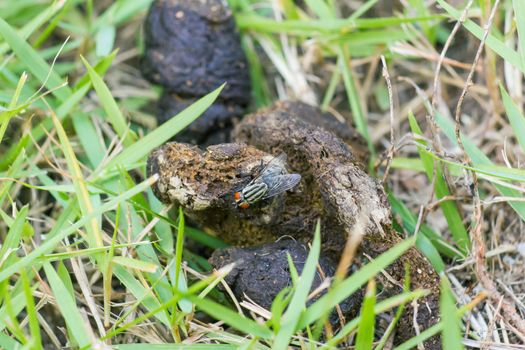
(274, 167)
(280, 184)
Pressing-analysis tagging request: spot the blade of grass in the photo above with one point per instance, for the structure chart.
(410, 223)
(331, 26)
(34, 326)
(179, 246)
(362, 9)
(517, 120)
(320, 8)
(332, 86)
(68, 307)
(108, 274)
(479, 159)
(34, 62)
(180, 282)
(31, 26)
(63, 110)
(13, 304)
(348, 286)
(88, 137)
(519, 15)
(113, 113)
(451, 335)
(291, 317)
(135, 264)
(290, 9)
(260, 88)
(195, 288)
(392, 326)
(231, 318)
(379, 308)
(143, 295)
(11, 111)
(163, 133)
(450, 210)
(498, 46)
(353, 97)
(365, 332)
(84, 200)
(15, 167)
(8, 343)
(119, 12)
(12, 241)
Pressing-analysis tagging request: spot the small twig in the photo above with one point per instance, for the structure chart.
(415, 306)
(392, 148)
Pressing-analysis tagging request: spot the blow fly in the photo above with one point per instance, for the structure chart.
(271, 181)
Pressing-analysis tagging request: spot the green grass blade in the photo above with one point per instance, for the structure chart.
(8, 343)
(89, 138)
(105, 39)
(348, 286)
(31, 312)
(480, 159)
(231, 318)
(380, 307)
(333, 27)
(517, 120)
(31, 26)
(365, 332)
(180, 283)
(166, 131)
(68, 307)
(135, 264)
(179, 247)
(399, 312)
(450, 210)
(362, 9)
(12, 110)
(498, 46)
(353, 96)
(12, 240)
(298, 303)
(451, 335)
(113, 113)
(290, 9)
(320, 8)
(143, 295)
(33, 61)
(519, 16)
(84, 200)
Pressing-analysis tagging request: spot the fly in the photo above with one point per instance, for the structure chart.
(270, 182)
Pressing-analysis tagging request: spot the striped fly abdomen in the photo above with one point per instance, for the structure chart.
(254, 192)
